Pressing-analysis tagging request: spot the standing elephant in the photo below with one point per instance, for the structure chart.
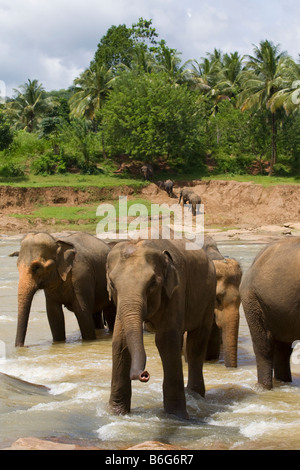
(169, 186)
(148, 172)
(72, 272)
(185, 196)
(227, 316)
(195, 202)
(270, 293)
(172, 290)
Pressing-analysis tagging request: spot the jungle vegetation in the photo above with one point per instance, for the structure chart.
(137, 100)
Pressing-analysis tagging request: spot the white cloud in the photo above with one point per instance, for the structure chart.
(53, 40)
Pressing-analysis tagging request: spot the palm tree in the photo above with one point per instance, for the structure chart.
(29, 105)
(91, 89)
(263, 76)
(229, 76)
(288, 98)
(169, 61)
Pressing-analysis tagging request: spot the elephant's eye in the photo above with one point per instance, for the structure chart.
(36, 267)
(112, 285)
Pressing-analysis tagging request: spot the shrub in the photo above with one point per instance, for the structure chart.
(11, 170)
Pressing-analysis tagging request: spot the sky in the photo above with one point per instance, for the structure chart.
(53, 41)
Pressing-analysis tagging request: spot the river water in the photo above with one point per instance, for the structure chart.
(71, 405)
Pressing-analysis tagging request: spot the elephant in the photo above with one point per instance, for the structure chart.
(227, 316)
(72, 272)
(271, 299)
(173, 291)
(169, 186)
(195, 202)
(185, 195)
(148, 172)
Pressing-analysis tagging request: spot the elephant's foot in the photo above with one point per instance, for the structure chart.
(177, 409)
(259, 387)
(118, 408)
(194, 393)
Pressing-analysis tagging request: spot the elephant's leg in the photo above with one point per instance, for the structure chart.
(56, 320)
(98, 321)
(83, 309)
(109, 313)
(196, 351)
(120, 397)
(263, 343)
(169, 345)
(214, 343)
(282, 355)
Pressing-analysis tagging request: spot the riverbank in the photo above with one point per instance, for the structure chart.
(233, 210)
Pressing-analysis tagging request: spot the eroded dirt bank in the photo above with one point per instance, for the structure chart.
(228, 204)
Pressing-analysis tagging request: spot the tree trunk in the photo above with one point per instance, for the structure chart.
(274, 144)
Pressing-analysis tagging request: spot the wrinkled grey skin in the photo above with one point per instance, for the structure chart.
(185, 195)
(72, 272)
(148, 172)
(227, 316)
(172, 290)
(270, 293)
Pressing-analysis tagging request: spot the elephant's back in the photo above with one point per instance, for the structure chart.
(274, 282)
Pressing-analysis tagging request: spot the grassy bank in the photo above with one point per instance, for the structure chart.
(74, 218)
(70, 180)
(83, 181)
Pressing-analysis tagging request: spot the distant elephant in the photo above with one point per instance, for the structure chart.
(195, 201)
(173, 291)
(270, 293)
(72, 272)
(227, 316)
(148, 172)
(169, 186)
(185, 196)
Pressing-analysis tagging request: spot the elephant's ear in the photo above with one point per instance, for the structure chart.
(171, 276)
(65, 256)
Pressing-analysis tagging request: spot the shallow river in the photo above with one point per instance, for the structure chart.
(73, 407)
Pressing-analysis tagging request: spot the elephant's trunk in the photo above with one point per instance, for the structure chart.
(26, 290)
(131, 314)
(230, 341)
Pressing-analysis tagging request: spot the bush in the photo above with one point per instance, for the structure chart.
(26, 146)
(45, 164)
(6, 135)
(11, 170)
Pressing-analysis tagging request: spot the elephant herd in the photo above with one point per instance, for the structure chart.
(190, 299)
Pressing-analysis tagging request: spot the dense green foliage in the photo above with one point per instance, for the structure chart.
(222, 114)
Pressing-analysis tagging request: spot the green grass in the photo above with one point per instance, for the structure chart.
(108, 181)
(257, 179)
(71, 180)
(74, 217)
(77, 218)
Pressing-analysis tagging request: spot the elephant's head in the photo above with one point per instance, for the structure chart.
(229, 275)
(139, 278)
(43, 262)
